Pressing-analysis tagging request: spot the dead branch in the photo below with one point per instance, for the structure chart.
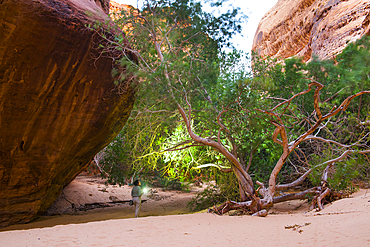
(98, 165)
(295, 196)
(299, 158)
(311, 137)
(228, 206)
(261, 213)
(322, 196)
(289, 147)
(295, 183)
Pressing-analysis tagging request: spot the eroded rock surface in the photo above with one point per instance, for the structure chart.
(58, 106)
(117, 8)
(311, 27)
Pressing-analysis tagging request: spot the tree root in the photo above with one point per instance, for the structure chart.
(228, 206)
(261, 213)
(254, 206)
(295, 196)
(321, 193)
(257, 208)
(246, 206)
(322, 196)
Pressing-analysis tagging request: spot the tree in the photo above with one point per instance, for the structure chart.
(289, 144)
(178, 49)
(178, 45)
(338, 77)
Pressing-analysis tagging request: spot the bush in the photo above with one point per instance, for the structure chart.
(226, 188)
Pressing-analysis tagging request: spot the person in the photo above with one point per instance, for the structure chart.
(136, 194)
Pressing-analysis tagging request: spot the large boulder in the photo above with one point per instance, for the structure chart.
(311, 27)
(58, 103)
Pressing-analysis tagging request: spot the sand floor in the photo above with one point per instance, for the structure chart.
(343, 223)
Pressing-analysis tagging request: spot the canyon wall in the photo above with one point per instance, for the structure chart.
(307, 28)
(58, 103)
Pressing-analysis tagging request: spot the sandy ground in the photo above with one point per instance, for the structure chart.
(87, 189)
(343, 223)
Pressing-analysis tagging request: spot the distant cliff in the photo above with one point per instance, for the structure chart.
(115, 7)
(311, 27)
(58, 105)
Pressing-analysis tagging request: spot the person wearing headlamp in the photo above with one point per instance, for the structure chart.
(136, 194)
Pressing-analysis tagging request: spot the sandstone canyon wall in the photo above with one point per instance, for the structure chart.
(117, 8)
(58, 106)
(311, 27)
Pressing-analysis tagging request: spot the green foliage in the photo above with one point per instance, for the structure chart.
(177, 45)
(123, 157)
(205, 199)
(344, 174)
(167, 183)
(226, 188)
(180, 162)
(341, 176)
(347, 74)
(180, 63)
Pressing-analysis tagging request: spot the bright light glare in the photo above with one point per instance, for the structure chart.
(145, 190)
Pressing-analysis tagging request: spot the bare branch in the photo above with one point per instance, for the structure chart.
(344, 155)
(180, 148)
(168, 32)
(275, 136)
(344, 104)
(251, 157)
(294, 196)
(186, 40)
(97, 164)
(311, 137)
(322, 127)
(328, 162)
(221, 168)
(316, 99)
(289, 147)
(275, 98)
(319, 86)
(295, 183)
(279, 164)
(322, 196)
(223, 127)
(227, 170)
(304, 162)
(219, 147)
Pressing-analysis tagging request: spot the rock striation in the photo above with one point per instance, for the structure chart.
(307, 28)
(117, 8)
(58, 103)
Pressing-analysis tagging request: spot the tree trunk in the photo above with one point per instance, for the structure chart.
(244, 187)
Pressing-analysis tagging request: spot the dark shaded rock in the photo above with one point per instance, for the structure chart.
(58, 106)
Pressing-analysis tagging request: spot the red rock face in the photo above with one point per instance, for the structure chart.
(115, 7)
(58, 105)
(311, 27)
